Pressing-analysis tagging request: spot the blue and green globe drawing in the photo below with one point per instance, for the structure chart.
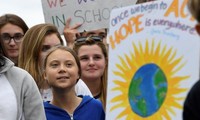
(147, 90)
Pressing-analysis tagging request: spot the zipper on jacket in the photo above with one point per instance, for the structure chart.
(71, 116)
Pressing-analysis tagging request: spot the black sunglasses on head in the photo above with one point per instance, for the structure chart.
(95, 38)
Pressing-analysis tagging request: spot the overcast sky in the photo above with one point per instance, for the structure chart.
(29, 10)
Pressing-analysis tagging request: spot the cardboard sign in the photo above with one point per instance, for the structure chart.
(153, 60)
(94, 14)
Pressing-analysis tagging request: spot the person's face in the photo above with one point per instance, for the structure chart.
(99, 32)
(92, 62)
(11, 47)
(61, 69)
(49, 41)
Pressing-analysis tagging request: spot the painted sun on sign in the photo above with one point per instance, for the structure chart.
(149, 85)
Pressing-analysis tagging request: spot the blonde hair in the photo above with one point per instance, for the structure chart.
(194, 8)
(30, 50)
(90, 41)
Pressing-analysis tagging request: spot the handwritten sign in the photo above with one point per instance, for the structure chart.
(153, 60)
(94, 14)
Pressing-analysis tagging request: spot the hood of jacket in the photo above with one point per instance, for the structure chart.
(84, 101)
(8, 64)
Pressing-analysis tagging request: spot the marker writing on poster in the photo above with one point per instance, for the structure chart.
(84, 1)
(56, 3)
(126, 29)
(178, 10)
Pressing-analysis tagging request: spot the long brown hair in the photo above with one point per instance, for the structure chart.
(31, 47)
(193, 6)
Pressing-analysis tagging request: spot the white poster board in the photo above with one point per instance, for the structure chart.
(94, 14)
(153, 61)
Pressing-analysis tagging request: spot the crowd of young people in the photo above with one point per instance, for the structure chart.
(40, 78)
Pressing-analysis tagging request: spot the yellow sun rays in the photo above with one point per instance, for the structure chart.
(168, 62)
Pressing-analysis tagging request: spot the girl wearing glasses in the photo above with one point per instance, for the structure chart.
(93, 57)
(62, 71)
(12, 29)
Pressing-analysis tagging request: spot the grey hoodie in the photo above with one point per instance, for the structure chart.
(29, 101)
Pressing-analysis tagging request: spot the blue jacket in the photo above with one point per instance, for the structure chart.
(89, 109)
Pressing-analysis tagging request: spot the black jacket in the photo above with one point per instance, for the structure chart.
(191, 110)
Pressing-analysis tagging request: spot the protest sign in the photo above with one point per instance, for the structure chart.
(94, 14)
(153, 60)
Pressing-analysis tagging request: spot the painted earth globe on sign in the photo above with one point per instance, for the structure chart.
(147, 90)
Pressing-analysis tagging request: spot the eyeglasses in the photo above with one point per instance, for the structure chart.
(7, 38)
(83, 39)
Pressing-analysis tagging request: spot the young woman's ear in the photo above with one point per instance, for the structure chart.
(198, 28)
(44, 76)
